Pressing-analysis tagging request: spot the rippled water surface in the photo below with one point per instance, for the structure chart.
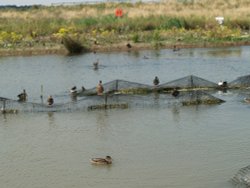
(174, 146)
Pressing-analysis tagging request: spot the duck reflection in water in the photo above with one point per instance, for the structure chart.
(96, 64)
(51, 118)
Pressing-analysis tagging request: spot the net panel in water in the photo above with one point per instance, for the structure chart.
(127, 87)
(240, 82)
(119, 86)
(199, 97)
(14, 106)
(189, 82)
(116, 100)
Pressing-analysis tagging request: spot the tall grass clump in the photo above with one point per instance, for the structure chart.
(135, 37)
(193, 22)
(172, 22)
(243, 24)
(85, 22)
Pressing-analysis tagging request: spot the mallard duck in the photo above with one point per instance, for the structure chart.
(50, 101)
(22, 96)
(129, 45)
(99, 88)
(247, 100)
(102, 161)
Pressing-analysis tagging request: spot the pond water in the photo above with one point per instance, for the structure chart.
(175, 146)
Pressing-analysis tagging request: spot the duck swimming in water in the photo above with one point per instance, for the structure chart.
(101, 161)
(247, 100)
(73, 90)
(156, 81)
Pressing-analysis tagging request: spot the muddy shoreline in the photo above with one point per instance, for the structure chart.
(61, 50)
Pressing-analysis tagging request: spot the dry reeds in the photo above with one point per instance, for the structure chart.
(181, 8)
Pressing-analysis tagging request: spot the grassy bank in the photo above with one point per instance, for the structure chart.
(40, 29)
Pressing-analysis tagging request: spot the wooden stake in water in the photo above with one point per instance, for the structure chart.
(41, 93)
(106, 98)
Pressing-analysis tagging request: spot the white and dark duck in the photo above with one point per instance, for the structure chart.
(222, 84)
(102, 161)
(73, 90)
(22, 97)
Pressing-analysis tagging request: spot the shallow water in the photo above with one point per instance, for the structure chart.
(175, 146)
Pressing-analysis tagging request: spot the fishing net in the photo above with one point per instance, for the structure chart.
(189, 82)
(240, 82)
(199, 97)
(126, 87)
(121, 86)
(242, 177)
(13, 106)
(113, 100)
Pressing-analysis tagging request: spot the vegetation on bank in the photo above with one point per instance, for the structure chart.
(158, 24)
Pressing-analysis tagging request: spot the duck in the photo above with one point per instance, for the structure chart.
(129, 45)
(175, 49)
(101, 161)
(220, 83)
(73, 90)
(22, 96)
(175, 93)
(156, 81)
(50, 100)
(247, 100)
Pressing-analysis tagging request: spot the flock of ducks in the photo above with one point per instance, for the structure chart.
(22, 97)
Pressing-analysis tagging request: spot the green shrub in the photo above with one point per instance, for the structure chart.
(156, 35)
(238, 23)
(169, 23)
(135, 38)
(194, 22)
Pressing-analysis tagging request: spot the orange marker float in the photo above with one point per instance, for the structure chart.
(118, 12)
